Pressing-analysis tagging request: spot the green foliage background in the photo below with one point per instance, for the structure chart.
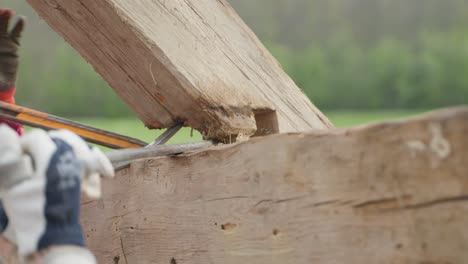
(344, 54)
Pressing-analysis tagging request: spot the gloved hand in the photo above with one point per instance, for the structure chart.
(95, 163)
(9, 43)
(43, 210)
(15, 167)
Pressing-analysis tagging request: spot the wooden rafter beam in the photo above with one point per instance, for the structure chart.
(190, 61)
(387, 193)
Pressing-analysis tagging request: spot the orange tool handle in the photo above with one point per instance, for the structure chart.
(45, 121)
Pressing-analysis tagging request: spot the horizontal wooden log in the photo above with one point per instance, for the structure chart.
(386, 193)
(184, 61)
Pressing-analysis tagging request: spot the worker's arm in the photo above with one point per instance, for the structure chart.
(41, 175)
(9, 44)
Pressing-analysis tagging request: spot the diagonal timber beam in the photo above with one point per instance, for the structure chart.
(190, 61)
(386, 193)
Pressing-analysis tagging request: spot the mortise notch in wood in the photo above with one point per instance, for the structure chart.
(267, 122)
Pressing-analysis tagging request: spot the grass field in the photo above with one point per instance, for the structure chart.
(134, 128)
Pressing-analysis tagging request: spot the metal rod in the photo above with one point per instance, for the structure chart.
(166, 136)
(127, 155)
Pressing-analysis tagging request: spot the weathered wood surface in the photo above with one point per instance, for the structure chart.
(179, 60)
(387, 193)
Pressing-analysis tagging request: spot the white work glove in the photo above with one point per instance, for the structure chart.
(68, 255)
(14, 165)
(43, 211)
(95, 163)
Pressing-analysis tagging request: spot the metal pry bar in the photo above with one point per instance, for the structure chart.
(127, 155)
(162, 139)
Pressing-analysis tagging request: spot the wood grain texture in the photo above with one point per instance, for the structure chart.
(183, 61)
(386, 193)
